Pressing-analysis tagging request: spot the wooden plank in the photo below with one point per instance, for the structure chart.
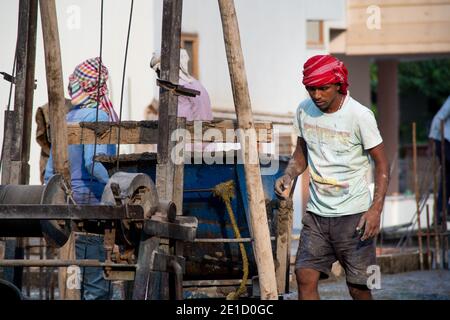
(179, 171)
(6, 149)
(262, 246)
(184, 229)
(168, 110)
(24, 90)
(67, 252)
(146, 132)
(55, 88)
(284, 227)
(143, 278)
(416, 191)
(29, 91)
(170, 64)
(20, 77)
(162, 262)
(406, 27)
(444, 196)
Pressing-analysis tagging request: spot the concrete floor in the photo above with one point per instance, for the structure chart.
(416, 285)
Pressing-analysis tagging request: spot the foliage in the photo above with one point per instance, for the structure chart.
(429, 77)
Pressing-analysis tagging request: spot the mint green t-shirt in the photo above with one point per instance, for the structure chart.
(338, 159)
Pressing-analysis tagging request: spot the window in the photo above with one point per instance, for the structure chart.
(189, 41)
(314, 33)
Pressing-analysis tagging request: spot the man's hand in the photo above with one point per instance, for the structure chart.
(282, 184)
(370, 223)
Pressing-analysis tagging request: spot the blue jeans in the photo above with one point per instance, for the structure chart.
(93, 286)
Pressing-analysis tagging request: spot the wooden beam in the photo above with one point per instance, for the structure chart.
(7, 142)
(178, 177)
(258, 217)
(144, 278)
(283, 255)
(55, 88)
(146, 132)
(184, 228)
(24, 90)
(167, 117)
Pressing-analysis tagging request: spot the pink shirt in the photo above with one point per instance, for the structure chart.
(195, 108)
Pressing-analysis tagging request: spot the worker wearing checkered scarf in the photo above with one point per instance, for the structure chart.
(84, 87)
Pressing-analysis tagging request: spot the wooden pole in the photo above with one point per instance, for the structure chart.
(55, 88)
(16, 149)
(259, 224)
(444, 197)
(24, 91)
(435, 212)
(283, 240)
(168, 110)
(428, 239)
(416, 188)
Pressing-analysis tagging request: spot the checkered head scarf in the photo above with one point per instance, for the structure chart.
(84, 87)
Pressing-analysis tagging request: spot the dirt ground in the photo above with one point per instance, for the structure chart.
(416, 285)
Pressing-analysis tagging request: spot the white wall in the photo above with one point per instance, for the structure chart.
(401, 210)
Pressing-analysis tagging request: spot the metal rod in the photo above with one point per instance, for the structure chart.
(435, 200)
(444, 195)
(428, 239)
(72, 212)
(27, 270)
(40, 273)
(62, 263)
(198, 190)
(225, 240)
(210, 283)
(176, 268)
(416, 188)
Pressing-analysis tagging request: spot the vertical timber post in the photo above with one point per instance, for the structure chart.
(19, 172)
(55, 88)
(167, 118)
(16, 169)
(259, 224)
(169, 175)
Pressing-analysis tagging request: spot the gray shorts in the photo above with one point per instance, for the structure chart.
(324, 240)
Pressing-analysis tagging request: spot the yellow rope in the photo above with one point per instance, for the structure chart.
(226, 191)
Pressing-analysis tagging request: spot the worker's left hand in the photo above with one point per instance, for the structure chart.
(369, 224)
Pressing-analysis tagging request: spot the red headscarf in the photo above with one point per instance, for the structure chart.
(321, 70)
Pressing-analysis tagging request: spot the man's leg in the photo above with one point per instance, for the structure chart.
(315, 256)
(354, 255)
(359, 292)
(307, 281)
(94, 286)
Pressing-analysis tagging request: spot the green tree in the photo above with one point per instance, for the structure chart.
(430, 77)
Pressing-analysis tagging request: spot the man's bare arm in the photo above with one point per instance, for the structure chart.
(381, 176)
(296, 166)
(299, 161)
(371, 219)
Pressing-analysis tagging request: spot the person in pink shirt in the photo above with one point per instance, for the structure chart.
(191, 108)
